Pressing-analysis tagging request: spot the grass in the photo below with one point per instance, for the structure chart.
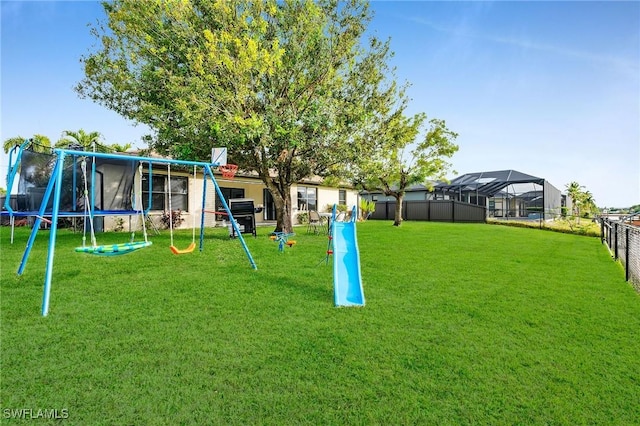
(464, 324)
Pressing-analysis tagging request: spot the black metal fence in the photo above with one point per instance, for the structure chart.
(431, 210)
(623, 240)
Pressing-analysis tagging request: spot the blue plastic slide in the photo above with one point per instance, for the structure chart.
(347, 279)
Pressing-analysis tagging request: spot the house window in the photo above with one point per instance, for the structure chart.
(307, 198)
(159, 194)
(228, 193)
(342, 197)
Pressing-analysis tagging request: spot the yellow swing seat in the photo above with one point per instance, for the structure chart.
(189, 249)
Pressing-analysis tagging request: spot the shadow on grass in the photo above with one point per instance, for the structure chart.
(308, 289)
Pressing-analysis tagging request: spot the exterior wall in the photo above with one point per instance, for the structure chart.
(253, 189)
(552, 201)
(326, 198)
(194, 205)
(418, 196)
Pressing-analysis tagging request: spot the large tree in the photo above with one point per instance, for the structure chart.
(287, 86)
(401, 160)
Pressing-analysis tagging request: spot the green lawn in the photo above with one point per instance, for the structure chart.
(464, 323)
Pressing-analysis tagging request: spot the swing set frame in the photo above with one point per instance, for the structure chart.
(54, 190)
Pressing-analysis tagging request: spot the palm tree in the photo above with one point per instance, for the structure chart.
(120, 148)
(10, 143)
(39, 143)
(574, 190)
(588, 202)
(82, 138)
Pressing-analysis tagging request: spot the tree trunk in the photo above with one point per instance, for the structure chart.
(282, 201)
(397, 220)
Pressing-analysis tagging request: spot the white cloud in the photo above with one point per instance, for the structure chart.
(627, 66)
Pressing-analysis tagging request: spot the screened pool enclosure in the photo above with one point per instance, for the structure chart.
(506, 194)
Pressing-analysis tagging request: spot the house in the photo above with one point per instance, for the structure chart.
(120, 188)
(504, 193)
(186, 195)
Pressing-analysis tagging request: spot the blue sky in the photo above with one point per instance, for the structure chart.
(551, 89)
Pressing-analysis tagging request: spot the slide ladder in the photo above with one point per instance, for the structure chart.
(347, 279)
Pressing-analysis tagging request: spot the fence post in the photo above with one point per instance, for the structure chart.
(602, 230)
(626, 255)
(615, 241)
(610, 239)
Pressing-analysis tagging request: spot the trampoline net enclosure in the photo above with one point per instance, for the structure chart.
(111, 184)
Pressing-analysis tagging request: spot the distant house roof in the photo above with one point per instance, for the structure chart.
(418, 187)
(487, 183)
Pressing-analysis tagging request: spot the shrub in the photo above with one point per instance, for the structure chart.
(366, 208)
(339, 207)
(175, 217)
(118, 224)
(303, 218)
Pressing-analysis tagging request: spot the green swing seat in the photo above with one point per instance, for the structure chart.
(114, 249)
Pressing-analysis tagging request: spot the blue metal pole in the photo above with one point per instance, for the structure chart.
(233, 222)
(36, 226)
(52, 235)
(204, 196)
(134, 158)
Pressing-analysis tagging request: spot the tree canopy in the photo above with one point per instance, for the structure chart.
(401, 161)
(287, 86)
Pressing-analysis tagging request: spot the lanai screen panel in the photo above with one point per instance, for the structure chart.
(552, 201)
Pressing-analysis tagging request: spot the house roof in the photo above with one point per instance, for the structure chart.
(487, 183)
(418, 187)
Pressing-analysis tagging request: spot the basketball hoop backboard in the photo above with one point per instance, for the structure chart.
(218, 156)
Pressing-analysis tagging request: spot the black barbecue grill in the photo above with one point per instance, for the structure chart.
(243, 212)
